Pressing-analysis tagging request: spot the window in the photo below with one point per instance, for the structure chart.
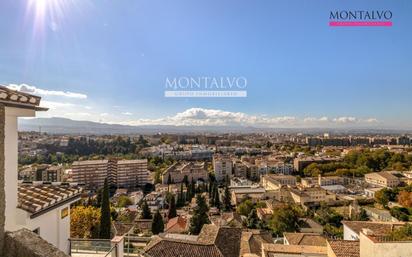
(37, 231)
(64, 212)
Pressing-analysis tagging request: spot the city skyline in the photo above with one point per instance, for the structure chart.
(108, 62)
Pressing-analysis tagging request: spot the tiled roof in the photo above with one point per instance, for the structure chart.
(176, 221)
(345, 248)
(175, 248)
(305, 239)
(270, 250)
(251, 242)
(212, 241)
(34, 198)
(377, 227)
(12, 97)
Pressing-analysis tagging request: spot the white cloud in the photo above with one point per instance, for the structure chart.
(105, 114)
(345, 120)
(44, 92)
(55, 105)
(214, 117)
(315, 119)
(127, 113)
(371, 120)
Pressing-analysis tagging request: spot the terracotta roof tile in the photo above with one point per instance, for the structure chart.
(305, 239)
(212, 241)
(377, 227)
(13, 97)
(272, 249)
(34, 198)
(345, 248)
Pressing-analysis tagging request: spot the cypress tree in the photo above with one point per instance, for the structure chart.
(169, 181)
(252, 219)
(105, 224)
(193, 188)
(157, 223)
(172, 207)
(216, 198)
(212, 196)
(146, 214)
(227, 205)
(199, 217)
(186, 180)
(181, 197)
(210, 189)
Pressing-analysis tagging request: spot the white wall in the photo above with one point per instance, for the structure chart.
(386, 249)
(10, 176)
(349, 234)
(53, 228)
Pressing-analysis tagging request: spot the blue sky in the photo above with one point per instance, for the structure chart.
(116, 56)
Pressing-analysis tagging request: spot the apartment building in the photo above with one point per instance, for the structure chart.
(239, 169)
(252, 170)
(92, 173)
(53, 174)
(382, 179)
(132, 173)
(275, 182)
(193, 171)
(223, 166)
(123, 174)
(311, 195)
(322, 181)
(255, 194)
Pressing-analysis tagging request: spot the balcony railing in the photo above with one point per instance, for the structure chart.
(92, 247)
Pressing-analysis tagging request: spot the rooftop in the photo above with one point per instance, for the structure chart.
(212, 241)
(36, 198)
(305, 239)
(344, 248)
(270, 250)
(19, 99)
(377, 227)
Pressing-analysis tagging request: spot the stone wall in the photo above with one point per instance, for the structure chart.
(24, 243)
(2, 171)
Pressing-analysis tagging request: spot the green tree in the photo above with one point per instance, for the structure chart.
(84, 222)
(403, 233)
(245, 207)
(146, 214)
(382, 197)
(172, 207)
(186, 180)
(227, 205)
(157, 223)
(105, 222)
(363, 216)
(252, 219)
(200, 216)
(216, 198)
(124, 201)
(180, 197)
(284, 220)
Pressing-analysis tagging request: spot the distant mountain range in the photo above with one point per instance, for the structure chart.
(68, 126)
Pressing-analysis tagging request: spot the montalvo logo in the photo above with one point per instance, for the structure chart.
(206, 87)
(359, 18)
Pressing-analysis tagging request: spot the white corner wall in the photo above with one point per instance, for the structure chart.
(11, 163)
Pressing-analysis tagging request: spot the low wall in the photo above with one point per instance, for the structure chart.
(24, 243)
